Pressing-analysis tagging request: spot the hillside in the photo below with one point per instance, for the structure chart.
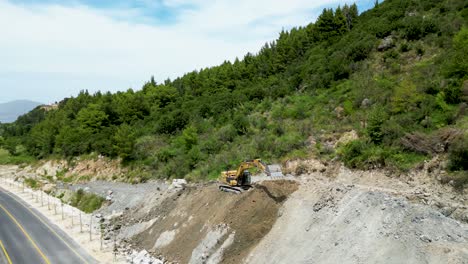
(10, 111)
(393, 79)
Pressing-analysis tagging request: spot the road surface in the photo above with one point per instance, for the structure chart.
(26, 236)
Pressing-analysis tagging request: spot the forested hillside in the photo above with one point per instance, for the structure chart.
(396, 74)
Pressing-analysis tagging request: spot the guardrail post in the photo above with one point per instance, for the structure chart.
(81, 224)
(115, 245)
(100, 234)
(61, 203)
(90, 227)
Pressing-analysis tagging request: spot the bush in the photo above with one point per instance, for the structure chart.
(417, 27)
(404, 47)
(6, 158)
(376, 119)
(31, 183)
(458, 154)
(86, 202)
(362, 155)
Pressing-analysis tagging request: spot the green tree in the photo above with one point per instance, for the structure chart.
(375, 121)
(92, 118)
(326, 24)
(340, 22)
(162, 95)
(457, 65)
(124, 141)
(72, 141)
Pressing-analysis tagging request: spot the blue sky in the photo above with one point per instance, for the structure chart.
(52, 49)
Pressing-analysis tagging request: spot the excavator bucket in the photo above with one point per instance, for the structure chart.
(275, 171)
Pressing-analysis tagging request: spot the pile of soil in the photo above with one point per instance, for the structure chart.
(200, 223)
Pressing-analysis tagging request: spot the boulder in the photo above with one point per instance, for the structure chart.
(386, 43)
(366, 103)
(178, 183)
(346, 138)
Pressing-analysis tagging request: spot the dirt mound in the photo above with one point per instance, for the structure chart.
(204, 225)
(253, 215)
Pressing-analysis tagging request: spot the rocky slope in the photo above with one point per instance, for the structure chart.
(328, 214)
(335, 215)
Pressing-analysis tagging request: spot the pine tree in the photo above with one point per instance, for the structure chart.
(325, 23)
(339, 22)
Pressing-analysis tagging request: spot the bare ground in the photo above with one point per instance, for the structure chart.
(329, 214)
(210, 218)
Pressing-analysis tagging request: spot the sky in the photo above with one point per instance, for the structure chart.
(52, 49)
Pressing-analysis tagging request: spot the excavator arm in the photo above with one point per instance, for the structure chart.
(253, 163)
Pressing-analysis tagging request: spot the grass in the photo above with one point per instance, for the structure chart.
(7, 159)
(86, 202)
(31, 183)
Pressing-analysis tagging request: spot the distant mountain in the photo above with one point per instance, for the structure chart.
(10, 111)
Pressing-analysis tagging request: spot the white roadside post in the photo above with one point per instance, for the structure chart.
(115, 245)
(100, 234)
(90, 227)
(81, 224)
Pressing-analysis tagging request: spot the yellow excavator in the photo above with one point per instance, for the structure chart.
(239, 180)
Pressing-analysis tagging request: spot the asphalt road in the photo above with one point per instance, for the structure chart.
(26, 236)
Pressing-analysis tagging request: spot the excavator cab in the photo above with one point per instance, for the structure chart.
(247, 178)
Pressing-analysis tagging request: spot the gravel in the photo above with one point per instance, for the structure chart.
(124, 195)
(346, 224)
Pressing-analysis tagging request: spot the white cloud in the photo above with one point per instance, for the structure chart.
(78, 40)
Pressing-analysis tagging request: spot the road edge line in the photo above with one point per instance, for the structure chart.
(26, 234)
(5, 252)
(23, 203)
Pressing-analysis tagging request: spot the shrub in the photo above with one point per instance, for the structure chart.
(404, 47)
(351, 152)
(374, 124)
(86, 202)
(362, 155)
(458, 154)
(31, 183)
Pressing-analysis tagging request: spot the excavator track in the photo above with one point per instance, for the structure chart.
(234, 189)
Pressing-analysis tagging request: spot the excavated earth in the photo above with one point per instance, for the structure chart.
(205, 225)
(328, 214)
(332, 216)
